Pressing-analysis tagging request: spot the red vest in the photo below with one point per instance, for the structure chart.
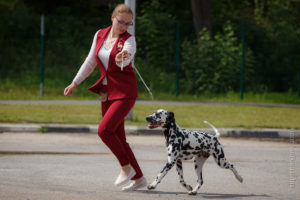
(120, 84)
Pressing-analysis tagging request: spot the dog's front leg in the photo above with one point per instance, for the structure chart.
(171, 161)
(160, 176)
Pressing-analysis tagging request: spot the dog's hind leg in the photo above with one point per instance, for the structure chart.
(180, 174)
(199, 162)
(222, 162)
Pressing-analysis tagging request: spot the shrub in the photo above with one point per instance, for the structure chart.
(213, 64)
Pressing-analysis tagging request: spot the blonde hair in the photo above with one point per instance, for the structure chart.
(122, 8)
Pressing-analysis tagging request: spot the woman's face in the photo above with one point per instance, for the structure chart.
(121, 22)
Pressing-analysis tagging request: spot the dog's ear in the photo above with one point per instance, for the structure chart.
(171, 114)
(170, 117)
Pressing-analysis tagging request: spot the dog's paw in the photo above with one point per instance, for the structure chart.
(150, 187)
(241, 179)
(192, 193)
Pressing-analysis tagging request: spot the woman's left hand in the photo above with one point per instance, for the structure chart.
(126, 56)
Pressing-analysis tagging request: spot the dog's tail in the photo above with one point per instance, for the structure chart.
(214, 128)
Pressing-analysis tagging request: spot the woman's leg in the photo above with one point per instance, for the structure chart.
(111, 131)
(112, 116)
(130, 155)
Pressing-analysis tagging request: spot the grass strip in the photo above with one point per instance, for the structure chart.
(12, 91)
(188, 116)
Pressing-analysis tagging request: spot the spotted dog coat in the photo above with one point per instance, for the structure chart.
(184, 144)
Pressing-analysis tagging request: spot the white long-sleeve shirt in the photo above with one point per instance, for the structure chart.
(90, 62)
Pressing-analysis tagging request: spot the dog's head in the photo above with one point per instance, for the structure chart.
(160, 118)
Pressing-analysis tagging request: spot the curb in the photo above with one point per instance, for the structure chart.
(75, 128)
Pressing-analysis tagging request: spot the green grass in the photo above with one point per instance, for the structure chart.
(249, 97)
(12, 92)
(188, 116)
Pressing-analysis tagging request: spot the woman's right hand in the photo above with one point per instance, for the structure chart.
(68, 90)
(126, 56)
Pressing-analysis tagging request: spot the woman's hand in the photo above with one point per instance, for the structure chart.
(68, 90)
(126, 56)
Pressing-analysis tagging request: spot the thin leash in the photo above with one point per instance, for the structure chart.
(137, 71)
(122, 65)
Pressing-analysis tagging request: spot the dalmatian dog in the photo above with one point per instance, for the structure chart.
(184, 144)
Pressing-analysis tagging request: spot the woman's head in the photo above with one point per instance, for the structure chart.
(121, 18)
(122, 8)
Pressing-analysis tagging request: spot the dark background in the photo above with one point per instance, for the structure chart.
(209, 46)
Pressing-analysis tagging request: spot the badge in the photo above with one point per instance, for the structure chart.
(120, 46)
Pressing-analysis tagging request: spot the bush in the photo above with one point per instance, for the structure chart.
(213, 64)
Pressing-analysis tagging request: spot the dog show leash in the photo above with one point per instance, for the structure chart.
(122, 65)
(137, 71)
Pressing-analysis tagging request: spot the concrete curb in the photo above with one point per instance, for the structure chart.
(75, 128)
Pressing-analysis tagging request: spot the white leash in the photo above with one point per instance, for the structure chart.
(137, 71)
(122, 65)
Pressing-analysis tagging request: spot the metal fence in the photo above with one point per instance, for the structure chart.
(53, 56)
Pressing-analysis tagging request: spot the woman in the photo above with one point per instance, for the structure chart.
(113, 49)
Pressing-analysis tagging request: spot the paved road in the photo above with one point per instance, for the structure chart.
(79, 166)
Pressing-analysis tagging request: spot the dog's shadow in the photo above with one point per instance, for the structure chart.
(208, 195)
(230, 196)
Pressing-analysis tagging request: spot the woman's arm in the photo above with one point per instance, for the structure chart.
(128, 52)
(85, 70)
(89, 64)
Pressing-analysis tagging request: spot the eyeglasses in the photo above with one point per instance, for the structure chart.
(123, 23)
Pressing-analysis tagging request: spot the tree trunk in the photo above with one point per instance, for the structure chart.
(201, 15)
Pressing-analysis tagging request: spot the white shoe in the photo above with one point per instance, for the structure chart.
(135, 186)
(121, 180)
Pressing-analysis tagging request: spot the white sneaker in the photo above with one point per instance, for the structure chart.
(135, 186)
(121, 180)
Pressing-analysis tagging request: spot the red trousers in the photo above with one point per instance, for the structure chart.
(111, 131)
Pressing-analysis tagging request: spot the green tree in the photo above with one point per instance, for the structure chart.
(213, 64)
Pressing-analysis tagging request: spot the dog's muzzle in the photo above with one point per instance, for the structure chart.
(152, 122)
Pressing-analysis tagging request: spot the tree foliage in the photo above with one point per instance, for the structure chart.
(208, 63)
(213, 64)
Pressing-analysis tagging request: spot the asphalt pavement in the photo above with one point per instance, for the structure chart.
(64, 161)
(35, 166)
